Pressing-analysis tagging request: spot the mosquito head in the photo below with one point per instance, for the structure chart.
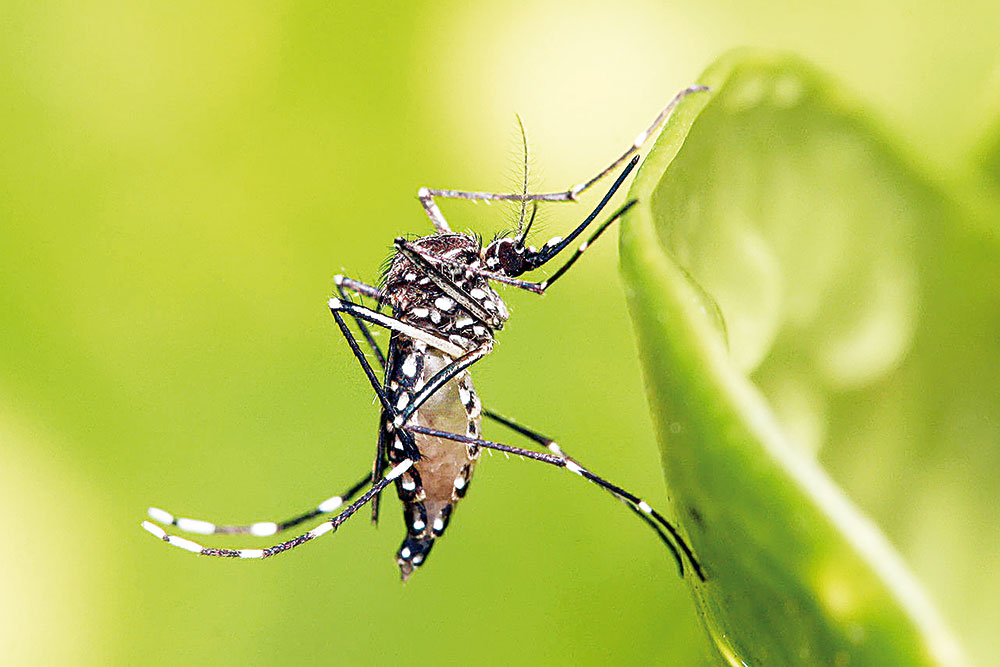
(512, 258)
(507, 257)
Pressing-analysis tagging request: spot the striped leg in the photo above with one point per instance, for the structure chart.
(545, 284)
(359, 312)
(554, 447)
(260, 528)
(427, 195)
(343, 284)
(323, 528)
(358, 287)
(563, 461)
(409, 447)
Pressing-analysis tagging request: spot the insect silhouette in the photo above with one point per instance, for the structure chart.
(444, 315)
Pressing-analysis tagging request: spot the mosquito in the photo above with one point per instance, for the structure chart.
(444, 316)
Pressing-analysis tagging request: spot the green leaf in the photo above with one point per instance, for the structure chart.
(771, 269)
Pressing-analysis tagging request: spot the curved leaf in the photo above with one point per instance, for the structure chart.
(772, 202)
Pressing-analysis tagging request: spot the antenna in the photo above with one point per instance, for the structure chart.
(524, 187)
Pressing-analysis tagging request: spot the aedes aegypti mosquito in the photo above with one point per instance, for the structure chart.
(444, 316)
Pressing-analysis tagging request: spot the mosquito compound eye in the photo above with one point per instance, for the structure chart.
(502, 255)
(511, 258)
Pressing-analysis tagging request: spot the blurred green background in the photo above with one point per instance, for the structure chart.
(178, 184)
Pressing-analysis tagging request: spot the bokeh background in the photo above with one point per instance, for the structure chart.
(178, 185)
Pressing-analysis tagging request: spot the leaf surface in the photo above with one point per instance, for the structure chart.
(772, 269)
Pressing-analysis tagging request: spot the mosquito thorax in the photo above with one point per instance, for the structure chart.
(417, 299)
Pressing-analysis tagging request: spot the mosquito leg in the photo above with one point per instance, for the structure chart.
(321, 529)
(391, 323)
(640, 138)
(554, 447)
(426, 198)
(545, 284)
(265, 528)
(427, 195)
(344, 284)
(534, 436)
(564, 462)
(496, 446)
(358, 287)
(259, 528)
(409, 447)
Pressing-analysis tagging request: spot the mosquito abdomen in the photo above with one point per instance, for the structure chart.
(430, 490)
